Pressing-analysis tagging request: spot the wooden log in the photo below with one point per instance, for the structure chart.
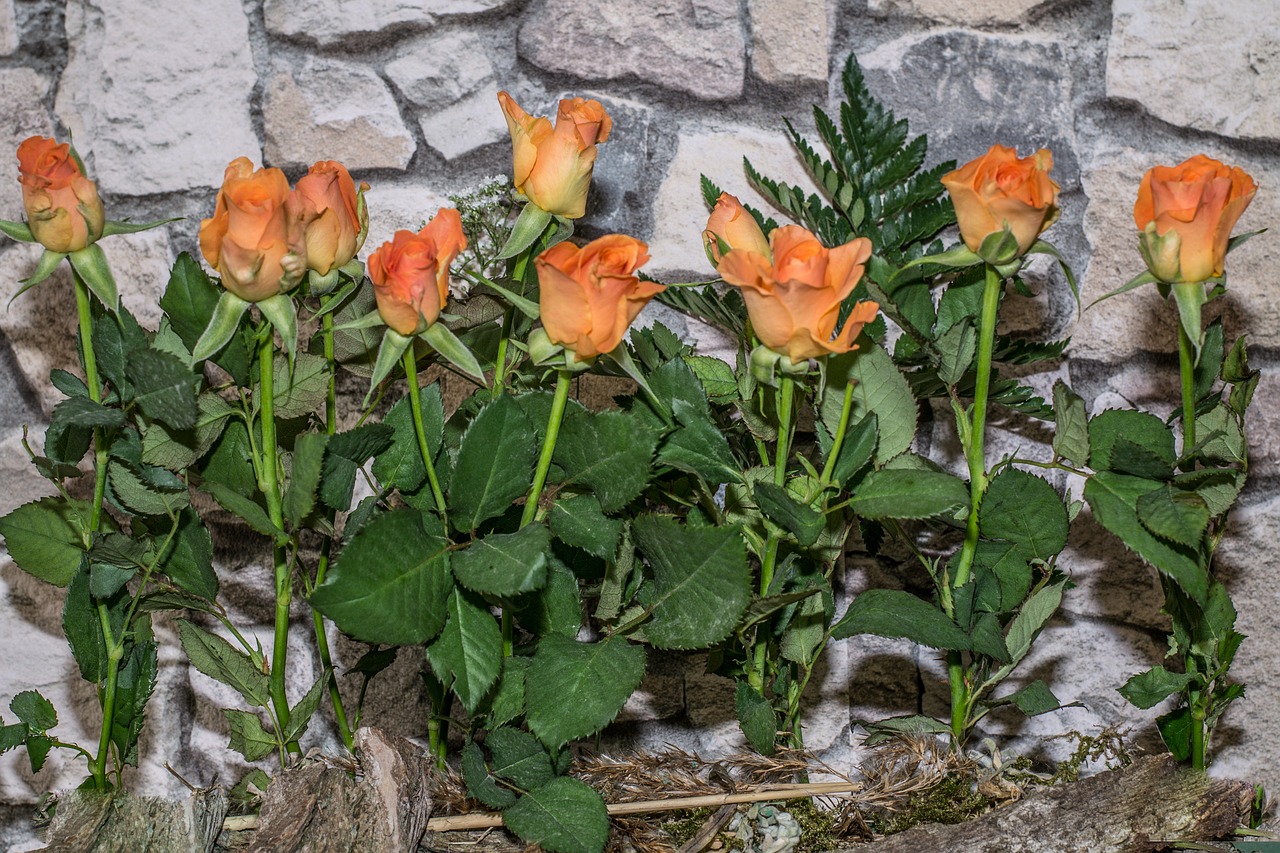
(92, 822)
(1143, 807)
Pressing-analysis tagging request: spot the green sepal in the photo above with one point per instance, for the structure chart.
(527, 307)
(1000, 249)
(17, 230)
(44, 268)
(389, 354)
(222, 326)
(542, 351)
(532, 221)
(446, 343)
(1231, 244)
(282, 313)
(368, 321)
(1144, 277)
(1042, 247)
(91, 264)
(333, 301)
(621, 356)
(112, 227)
(319, 285)
(1190, 296)
(954, 258)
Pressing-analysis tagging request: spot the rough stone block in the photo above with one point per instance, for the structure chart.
(968, 14)
(158, 108)
(1199, 64)
(9, 39)
(789, 41)
(690, 47)
(393, 207)
(441, 68)
(327, 22)
(25, 95)
(471, 123)
(306, 120)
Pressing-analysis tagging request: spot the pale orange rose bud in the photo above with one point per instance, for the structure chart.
(794, 299)
(1001, 189)
(1186, 213)
(731, 224)
(254, 239)
(590, 295)
(330, 213)
(410, 274)
(552, 165)
(62, 205)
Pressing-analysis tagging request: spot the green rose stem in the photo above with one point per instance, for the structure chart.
(420, 430)
(326, 546)
(1187, 366)
(837, 442)
(508, 322)
(115, 649)
(563, 379)
(960, 695)
(269, 485)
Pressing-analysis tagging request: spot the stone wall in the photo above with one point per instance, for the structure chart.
(161, 95)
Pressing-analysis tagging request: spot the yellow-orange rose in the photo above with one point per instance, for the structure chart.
(254, 239)
(794, 300)
(1000, 188)
(590, 295)
(1186, 213)
(733, 225)
(552, 166)
(330, 210)
(62, 205)
(410, 274)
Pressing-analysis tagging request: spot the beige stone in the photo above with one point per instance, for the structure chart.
(158, 108)
(471, 123)
(328, 22)
(973, 14)
(25, 95)
(305, 121)
(1199, 64)
(789, 41)
(8, 28)
(438, 69)
(399, 206)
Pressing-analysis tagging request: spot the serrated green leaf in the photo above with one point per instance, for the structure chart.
(506, 703)
(189, 301)
(179, 449)
(344, 453)
(701, 582)
(805, 634)
(699, 447)
(34, 710)
(908, 493)
(248, 737)
(469, 648)
(300, 715)
(247, 509)
(859, 446)
(391, 582)
(308, 465)
(610, 452)
(1034, 699)
(563, 816)
(230, 462)
(880, 390)
(106, 580)
(1026, 626)
(494, 466)
(218, 659)
(896, 613)
(302, 390)
(1150, 688)
(575, 689)
(957, 347)
(188, 559)
(1218, 488)
(1002, 577)
(554, 609)
(38, 747)
(1071, 431)
(1174, 515)
(480, 783)
(44, 538)
(519, 758)
(1024, 509)
(756, 718)
(894, 727)
(579, 521)
(83, 412)
(400, 465)
(12, 736)
(1129, 429)
(504, 564)
(1175, 731)
(141, 497)
(716, 377)
(803, 522)
(1227, 446)
(163, 387)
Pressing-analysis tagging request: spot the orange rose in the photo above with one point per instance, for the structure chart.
(1186, 213)
(590, 295)
(330, 209)
(553, 166)
(731, 224)
(1000, 189)
(410, 274)
(253, 238)
(794, 300)
(62, 205)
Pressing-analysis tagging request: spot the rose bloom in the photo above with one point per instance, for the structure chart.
(552, 166)
(254, 239)
(732, 224)
(410, 274)
(590, 295)
(794, 300)
(62, 205)
(330, 212)
(1000, 188)
(1199, 201)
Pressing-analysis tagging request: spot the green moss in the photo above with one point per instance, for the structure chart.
(953, 800)
(684, 825)
(817, 826)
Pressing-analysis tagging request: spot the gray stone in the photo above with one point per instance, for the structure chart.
(970, 91)
(789, 41)
(393, 207)
(967, 14)
(471, 123)
(328, 22)
(25, 95)
(22, 482)
(1139, 321)
(158, 108)
(1199, 64)
(693, 47)
(441, 68)
(8, 28)
(626, 169)
(306, 120)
